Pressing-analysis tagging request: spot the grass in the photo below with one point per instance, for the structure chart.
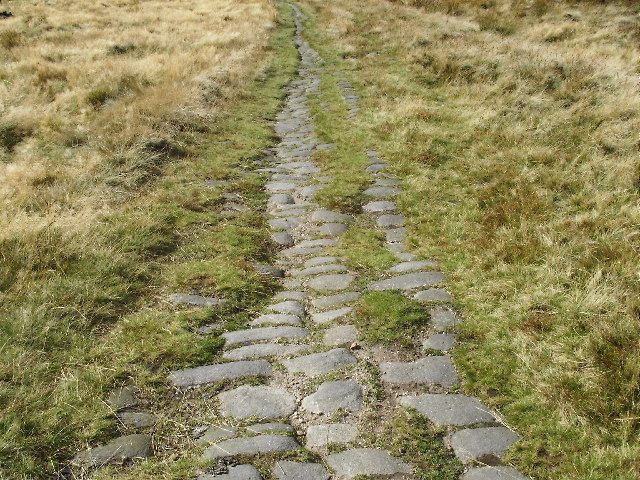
(513, 125)
(84, 275)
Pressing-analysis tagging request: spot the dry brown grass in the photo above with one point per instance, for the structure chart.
(93, 97)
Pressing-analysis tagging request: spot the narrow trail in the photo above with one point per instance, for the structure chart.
(324, 389)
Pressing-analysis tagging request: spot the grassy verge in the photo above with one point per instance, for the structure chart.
(521, 171)
(84, 312)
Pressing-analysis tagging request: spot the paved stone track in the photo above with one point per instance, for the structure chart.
(302, 338)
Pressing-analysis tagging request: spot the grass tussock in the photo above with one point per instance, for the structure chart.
(515, 125)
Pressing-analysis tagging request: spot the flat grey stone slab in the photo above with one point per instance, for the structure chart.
(408, 281)
(280, 186)
(331, 315)
(379, 206)
(328, 216)
(390, 220)
(291, 295)
(331, 229)
(138, 419)
(240, 472)
(449, 409)
(270, 428)
(123, 397)
(257, 401)
(429, 370)
(288, 306)
(484, 445)
(269, 270)
(319, 269)
(443, 318)
(196, 300)
(116, 451)
(382, 191)
(396, 234)
(413, 266)
(333, 281)
(309, 191)
(263, 350)
(433, 295)
(340, 335)
(219, 371)
(313, 262)
(365, 461)
(280, 199)
(286, 470)
(285, 223)
(440, 341)
(493, 473)
(332, 396)
(215, 433)
(320, 303)
(298, 251)
(262, 334)
(288, 212)
(376, 167)
(318, 242)
(283, 239)
(320, 363)
(250, 446)
(276, 319)
(319, 436)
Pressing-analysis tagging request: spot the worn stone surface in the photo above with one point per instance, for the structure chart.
(270, 428)
(390, 220)
(376, 167)
(215, 433)
(413, 266)
(382, 191)
(396, 234)
(259, 444)
(239, 472)
(286, 470)
(284, 223)
(280, 199)
(116, 451)
(320, 363)
(315, 261)
(288, 306)
(219, 371)
(138, 419)
(408, 281)
(328, 301)
(443, 318)
(429, 370)
(331, 396)
(365, 461)
(257, 401)
(123, 397)
(433, 295)
(262, 350)
(196, 300)
(485, 445)
(298, 251)
(283, 239)
(334, 281)
(449, 409)
(263, 333)
(331, 315)
(379, 206)
(333, 433)
(330, 229)
(290, 295)
(493, 473)
(269, 270)
(319, 269)
(340, 335)
(440, 341)
(276, 319)
(328, 216)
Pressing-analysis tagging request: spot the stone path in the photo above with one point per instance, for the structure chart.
(313, 378)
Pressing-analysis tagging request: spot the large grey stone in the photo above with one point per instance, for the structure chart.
(408, 281)
(270, 428)
(279, 187)
(283, 239)
(379, 206)
(484, 445)
(257, 401)
(413, 266)
(340, 335)
(240, 472)
(320, 363)
(396, 234)
(285, 223)
(268, 270)
(332, 396)
(290, 295)
(319, 269)
(264, 333)
(376, 167)
(331, 315)
(123, 397)
(318, 242)
(219, 371)
(298, 251)
(390, 220)
(449, 409)
(443, 318)
(320, 303)
(116, 451)
(215, 433)
(328, 216)
(319, 436)
(259, 444)
(440, 341)
(382, 191)
(429, 370)
(276, 319)
(493, 473)
(433, 295)
(315, 261)
(365, 461)
(334, 281)
(196, 300)
(386, 182)
(286, 470)
(330, 229)
(280, 199)
(138, 419)
(288, 306)
(263, 350)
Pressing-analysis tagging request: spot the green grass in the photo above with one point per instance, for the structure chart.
(81, 315)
